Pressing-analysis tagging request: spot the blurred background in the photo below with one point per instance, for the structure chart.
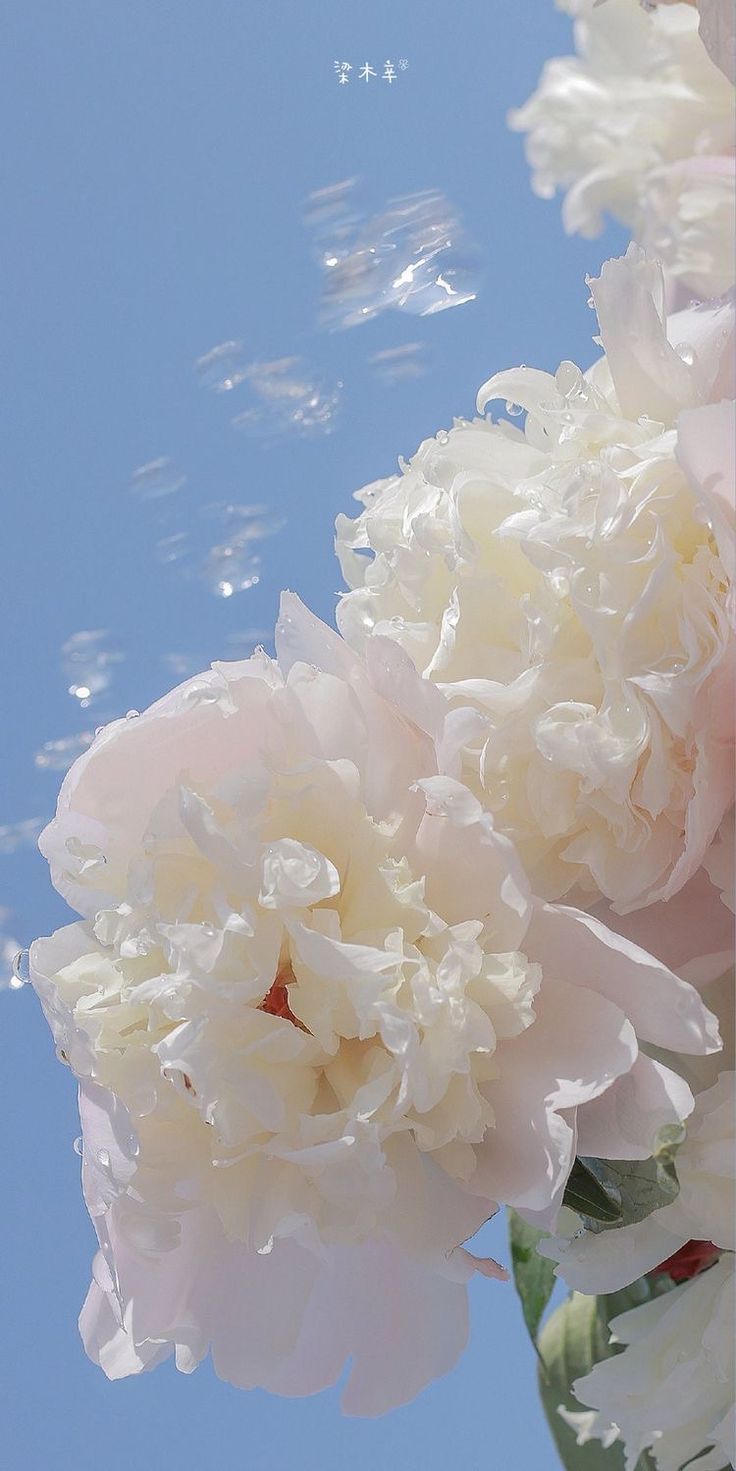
(253, 252)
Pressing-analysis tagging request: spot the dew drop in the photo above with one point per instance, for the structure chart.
(559, 582)
(132, 714)
(686, 352)
(21, 969)
(78, 1145)
(103, 1158)
(442, 436)
(99, 729)
(514, 409)
(202, 694)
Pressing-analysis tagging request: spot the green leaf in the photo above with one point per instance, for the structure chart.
(641, 1185)
(610, 1193)
(591, 1196)
(534, 1275)
(573, 1339)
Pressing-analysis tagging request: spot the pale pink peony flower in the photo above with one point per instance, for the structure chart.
(572, 581)
(319, 1025)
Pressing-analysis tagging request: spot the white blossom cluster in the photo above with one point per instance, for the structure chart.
(387, 932)
(639, 123)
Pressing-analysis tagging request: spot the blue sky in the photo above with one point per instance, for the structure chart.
(156, 156)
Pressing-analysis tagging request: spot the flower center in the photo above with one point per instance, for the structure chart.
(276, 1001)
(689, 1260)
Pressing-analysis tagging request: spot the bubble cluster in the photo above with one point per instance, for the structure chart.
(288, 397)
(413, 256)
(88, 659)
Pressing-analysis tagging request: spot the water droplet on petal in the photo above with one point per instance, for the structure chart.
(686, 352)
(21, 969)
(132, 714)
(202, 694)
(514, 409)
(559, 582)
(442, 436)
(78, 1145)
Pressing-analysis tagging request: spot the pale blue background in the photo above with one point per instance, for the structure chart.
(154, 156)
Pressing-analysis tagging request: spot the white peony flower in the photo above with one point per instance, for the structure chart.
(640, 123)
(672, 1389)
(319, 1026)
(571, 581)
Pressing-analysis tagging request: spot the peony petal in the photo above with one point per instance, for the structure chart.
(648, 375)
(663, 1008)
(625, 1121)
(718, 34)
(607, 1262)
(706, 449)
(472, 871)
